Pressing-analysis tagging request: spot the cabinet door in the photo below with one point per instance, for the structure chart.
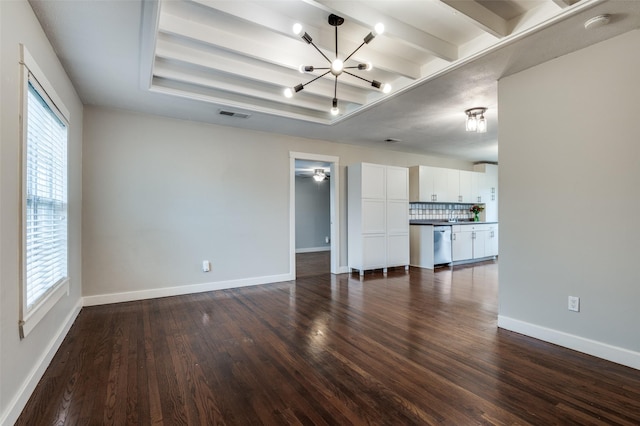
(462, 245)
(479, 241)
(373, 217)
(397, 217)
(440, 185)
(465, 187)
(491, 244)
(374, 251)
(398, 250)
(397, 183)
(427, 182)
(477, 187)
(453, 186)
(373, 181)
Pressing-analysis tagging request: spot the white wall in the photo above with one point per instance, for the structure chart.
(22, 362)
(161, 195)
(569, 194)
(313, 221)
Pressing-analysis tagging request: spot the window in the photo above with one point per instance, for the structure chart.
(44, 190)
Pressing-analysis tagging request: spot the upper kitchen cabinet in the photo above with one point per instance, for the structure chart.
(440, 185)
(432, 184)
(467, 178)
(488, 190)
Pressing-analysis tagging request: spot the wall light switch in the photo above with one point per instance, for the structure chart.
(574, 303)
(206, 266)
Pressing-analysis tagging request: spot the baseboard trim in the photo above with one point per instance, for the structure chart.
(313, 249)
(18, 402)
(591, 347)
(104, 299)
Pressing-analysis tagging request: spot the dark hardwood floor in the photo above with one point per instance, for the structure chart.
(416, 348)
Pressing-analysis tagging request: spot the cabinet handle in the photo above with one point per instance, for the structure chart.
(479, 198)
(492, 234)
(454, 236)
(473, 235)
(459, 198)
(493, 197)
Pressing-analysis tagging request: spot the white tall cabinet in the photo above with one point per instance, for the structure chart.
(378, 216)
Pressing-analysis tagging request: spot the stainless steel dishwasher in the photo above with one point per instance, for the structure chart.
(441, 245)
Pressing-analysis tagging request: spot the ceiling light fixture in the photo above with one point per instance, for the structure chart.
(337, 66)
(319, 175)
(475, 120)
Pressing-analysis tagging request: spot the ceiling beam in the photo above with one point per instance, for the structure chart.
(480, 16)
(253, 71)
(273, 48)
(229, 84)
(396, 29)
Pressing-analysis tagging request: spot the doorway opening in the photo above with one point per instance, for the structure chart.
(314, 221)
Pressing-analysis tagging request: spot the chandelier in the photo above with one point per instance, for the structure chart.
(319, 175)
(336, 66)
(475, 120)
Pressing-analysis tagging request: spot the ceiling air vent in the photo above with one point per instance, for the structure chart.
(234, 114)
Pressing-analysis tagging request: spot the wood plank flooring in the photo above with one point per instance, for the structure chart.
(416, 348)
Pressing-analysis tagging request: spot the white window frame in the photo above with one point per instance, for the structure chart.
(31, 316)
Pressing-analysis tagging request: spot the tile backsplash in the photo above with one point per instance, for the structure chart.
(439, 211)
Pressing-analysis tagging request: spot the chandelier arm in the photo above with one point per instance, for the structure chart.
(352, 53)
(336, 27)
(320, 76)
(357, 76)
(335, 87)
(320, 51)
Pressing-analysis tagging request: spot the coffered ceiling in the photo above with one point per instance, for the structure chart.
(228, 61)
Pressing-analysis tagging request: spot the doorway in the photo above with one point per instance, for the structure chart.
(316, 240)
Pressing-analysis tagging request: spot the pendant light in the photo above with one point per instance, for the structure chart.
(336, 66)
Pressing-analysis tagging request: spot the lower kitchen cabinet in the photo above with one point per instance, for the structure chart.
(474, 241)
(461, 243)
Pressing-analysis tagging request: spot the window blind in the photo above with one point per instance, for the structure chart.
(46, 197)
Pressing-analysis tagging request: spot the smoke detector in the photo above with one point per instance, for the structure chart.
(597, 21)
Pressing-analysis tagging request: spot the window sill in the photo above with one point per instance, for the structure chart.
(33, 317)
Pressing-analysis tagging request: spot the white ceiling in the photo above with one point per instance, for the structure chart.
(192, 59)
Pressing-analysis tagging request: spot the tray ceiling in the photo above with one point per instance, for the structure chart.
(243, 54)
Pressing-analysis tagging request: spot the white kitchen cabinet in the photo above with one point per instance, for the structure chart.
(432, 184)
(420, 190)
(378, 216)
(453, 186)
(465, 193)
(474, 241)
(488, 190)
(461, 242)
(479, 239)
(477, 188)
(491, 243)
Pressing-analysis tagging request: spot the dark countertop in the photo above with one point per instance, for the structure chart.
(441, 223)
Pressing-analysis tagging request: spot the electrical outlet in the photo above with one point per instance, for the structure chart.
(326, 240)
(206, 266)
(574, 303)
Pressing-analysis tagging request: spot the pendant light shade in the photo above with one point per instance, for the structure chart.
(475, 120)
